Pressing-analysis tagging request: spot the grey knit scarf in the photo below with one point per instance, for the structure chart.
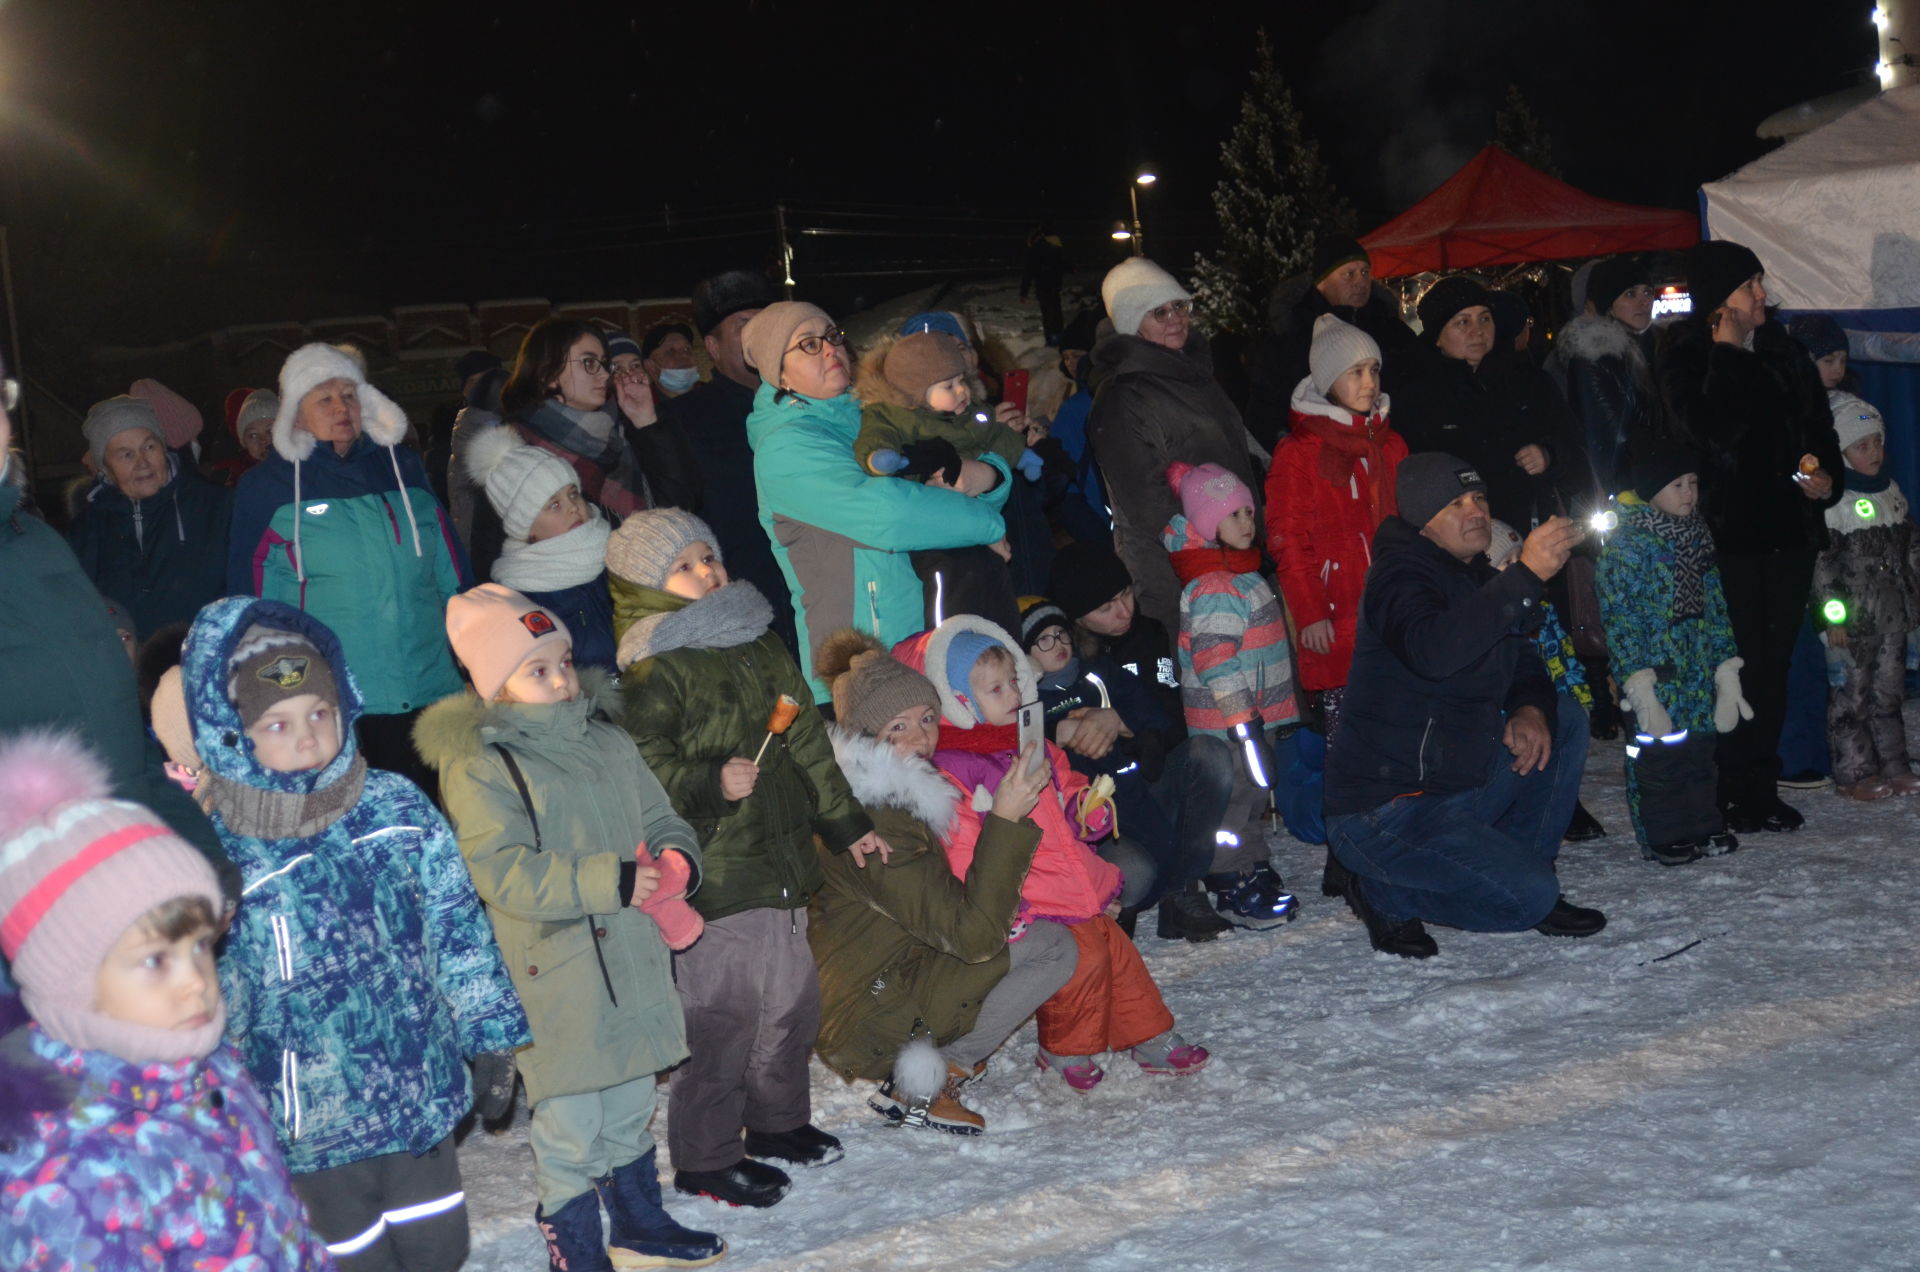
(263, 814)
(734, 615)
(1692, 558)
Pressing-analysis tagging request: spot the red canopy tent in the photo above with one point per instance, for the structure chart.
(1499, 211)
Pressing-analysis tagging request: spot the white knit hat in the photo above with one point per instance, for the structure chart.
(1503, 542)
(519, 478)
(261, 404)
(313, 365)
(1854, 418)
(1337, 346)
(1133, 287)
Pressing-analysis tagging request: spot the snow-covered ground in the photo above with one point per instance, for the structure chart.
(1726, 1077)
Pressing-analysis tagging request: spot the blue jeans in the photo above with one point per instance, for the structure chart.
(1479, 859)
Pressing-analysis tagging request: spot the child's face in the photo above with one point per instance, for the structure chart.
(951, 396)
(995, 691)
(695, 572)
(1236, 529)
(915, 731)
(1051, 649)
(1678, 497)
(296, 734)
(565, 511)
(1358, 387)
(149, 980)
(1866, 455)
(1833, 369)
(546, 677)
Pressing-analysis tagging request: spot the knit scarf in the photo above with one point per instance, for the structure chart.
(1196, 563)
(981, 739)
(1343, 445)
(1692, 558)
(1866, 485)
(1055, 681)
(588, 434)
(262, 814)
(733, 615)
(566, 560)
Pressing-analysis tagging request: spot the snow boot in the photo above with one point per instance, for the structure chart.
(1333, 877)
(573, 1236)
(1083, 1073)
(1186, 914)
(1169, 1054)
(1405, 937)
(1680, 854)
(1584, 826)
(941, 1111)
(804, 1145)
(745, 1183)
(644, 1234)
(1567, 919)
(1256, 900)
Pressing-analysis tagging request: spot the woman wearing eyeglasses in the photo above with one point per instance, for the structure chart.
(842, 536)
(1156, 401)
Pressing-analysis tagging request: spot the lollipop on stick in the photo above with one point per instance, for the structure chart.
(785, 712)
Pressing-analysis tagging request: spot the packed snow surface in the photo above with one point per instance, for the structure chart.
(1726, 1077)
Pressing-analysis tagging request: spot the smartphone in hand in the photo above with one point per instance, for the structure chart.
(1033, 732)
(1013, 388)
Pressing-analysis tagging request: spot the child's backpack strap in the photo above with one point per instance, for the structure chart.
(526, 801)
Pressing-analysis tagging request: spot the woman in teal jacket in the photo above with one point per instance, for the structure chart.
(842, 536)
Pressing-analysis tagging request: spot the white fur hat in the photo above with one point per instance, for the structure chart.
(1854, 419)
(1133, 287)
(312, 365)
(519, 478)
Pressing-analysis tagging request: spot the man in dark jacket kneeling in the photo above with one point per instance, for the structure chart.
(1452, 771)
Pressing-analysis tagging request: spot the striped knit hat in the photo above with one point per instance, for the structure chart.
(77, 869)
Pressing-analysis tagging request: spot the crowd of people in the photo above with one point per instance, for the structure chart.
(633, 727)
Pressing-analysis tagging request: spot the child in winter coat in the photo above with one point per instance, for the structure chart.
(131, 1137)
(1330, 486)
(574, 848)
(1236, 674)
(1673, 649)
(1111, 1004)
(703, 679)
(1866, 593)
(917, 421)
(555, 550)
(361, 977)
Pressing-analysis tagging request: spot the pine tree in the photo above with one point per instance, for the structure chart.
(1519, 132)
(1273, 197)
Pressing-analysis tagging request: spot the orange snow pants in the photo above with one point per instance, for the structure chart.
(1110, 1004)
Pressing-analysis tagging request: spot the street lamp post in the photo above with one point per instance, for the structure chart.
(1145, 176)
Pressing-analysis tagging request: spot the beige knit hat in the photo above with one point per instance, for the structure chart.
(769, 334)
(870, 686)
(643, 549)
(493, 629)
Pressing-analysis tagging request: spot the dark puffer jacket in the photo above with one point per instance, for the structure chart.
(1752, 415)
(1444, 654)
(1601, 368)
(164, 556)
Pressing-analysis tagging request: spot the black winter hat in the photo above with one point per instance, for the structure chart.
(658, 333)
(1331, 251)
(1084, 577)
(726, 294)
(1427, 482)
(1715, 270)
(1614, 275)
(1659, 464)
(1818, 334)
(1445, 299)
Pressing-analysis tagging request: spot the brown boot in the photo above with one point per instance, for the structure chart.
(946, 1113)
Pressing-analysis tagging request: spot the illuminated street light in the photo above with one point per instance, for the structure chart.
(1120, 232)
(1144, 175)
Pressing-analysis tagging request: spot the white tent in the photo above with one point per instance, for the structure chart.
(1835, 215)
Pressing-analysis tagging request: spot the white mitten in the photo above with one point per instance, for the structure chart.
(1649, 717)
(1729, 706)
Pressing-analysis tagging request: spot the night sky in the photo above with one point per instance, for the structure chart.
(172, 167)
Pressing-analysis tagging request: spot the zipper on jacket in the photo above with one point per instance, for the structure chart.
(873, 606)
(139, 528)
(1424, 735)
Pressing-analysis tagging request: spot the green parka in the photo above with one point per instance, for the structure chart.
(693, 707)
(556, 908)
(904, 942)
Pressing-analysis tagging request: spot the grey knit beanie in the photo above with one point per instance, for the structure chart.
(643, 548)
(870, 686)
(1337, 346)
(1427, 482)
(108, 419)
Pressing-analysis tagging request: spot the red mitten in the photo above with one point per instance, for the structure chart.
(680, 924)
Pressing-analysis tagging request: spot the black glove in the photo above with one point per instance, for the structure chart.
(1257, 754)
(493, 1077)
(935, 455)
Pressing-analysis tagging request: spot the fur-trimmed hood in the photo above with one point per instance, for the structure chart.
(312, 365)
(880, 778)
(870, 384)
(926, 653)
(1595, 336)
(461, 726)
(1309, 400)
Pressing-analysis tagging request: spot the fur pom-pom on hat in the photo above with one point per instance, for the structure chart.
(41, 771)
(870, 686)
(519, 478)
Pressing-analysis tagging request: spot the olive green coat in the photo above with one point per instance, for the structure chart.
(905, 943)
(554, 904)
(691, 710)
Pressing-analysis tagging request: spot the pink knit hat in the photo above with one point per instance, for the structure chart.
(1209, 494)
(77, 869)
(493, 629)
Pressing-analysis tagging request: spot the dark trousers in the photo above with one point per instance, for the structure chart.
(1670, 790)
(1863, 715)
(1177, 818)
(1803, 739)
(1766, 599)
(394, 1213)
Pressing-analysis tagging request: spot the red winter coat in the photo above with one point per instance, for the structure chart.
(1324, 501)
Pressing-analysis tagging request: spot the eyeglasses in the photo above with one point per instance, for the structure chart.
(9, 394)
(810, 345)
(592, 364)
(1163, 313)
(1052, 640)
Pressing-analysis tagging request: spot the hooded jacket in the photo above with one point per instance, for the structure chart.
(593, 973)
(1751, 414)
(164, 556)
(359, 541)
(1321, 532)
(1152, 406)
(119, 1166)
(1635, 581)
(841, 536)
(1445, 652)
(691, 707)
(359, 973)
(906, 944)
(889, 420)
(1602, 369)
(1236, 665)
